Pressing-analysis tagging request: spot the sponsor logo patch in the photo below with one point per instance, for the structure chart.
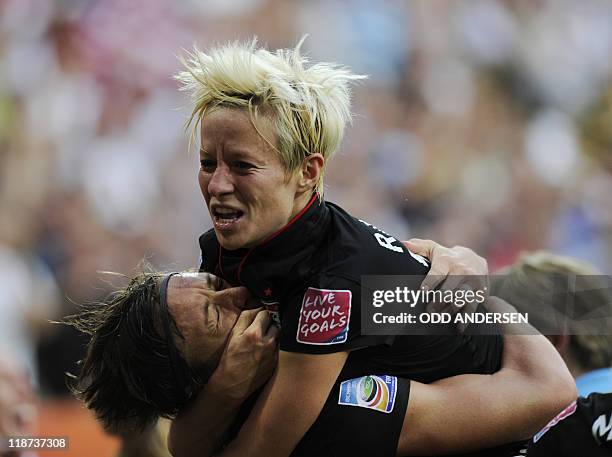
(602, 429)
(567, 412)
(272, 307)
(372, 392)
(324, 316)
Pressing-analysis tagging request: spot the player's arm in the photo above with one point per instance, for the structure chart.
(470, 412)
(199, 430)
(288, 406)
(248, 361)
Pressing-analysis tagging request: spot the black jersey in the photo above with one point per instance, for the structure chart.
(309, 273)
(362, 416)
(582, 429)
(347, 428)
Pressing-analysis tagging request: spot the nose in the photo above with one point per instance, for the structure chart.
(220, 182)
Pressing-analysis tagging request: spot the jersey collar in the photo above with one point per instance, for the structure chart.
(270, 269)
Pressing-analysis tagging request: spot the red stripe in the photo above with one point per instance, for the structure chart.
(277, 233)
(290, 223)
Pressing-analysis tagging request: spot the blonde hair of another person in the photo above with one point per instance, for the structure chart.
(529, 286)
(309, 105)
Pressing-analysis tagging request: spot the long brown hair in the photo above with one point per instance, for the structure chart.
(128, 377)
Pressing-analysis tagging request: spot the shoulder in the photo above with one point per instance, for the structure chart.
(597, 409)
(359, 248)
(325, 317)
(209, 251)
(585, 425)
(208, 238)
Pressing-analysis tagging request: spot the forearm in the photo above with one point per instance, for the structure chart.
(288, 405)
(473, 412)
(199, 430)
(534, 360)
(528, 352)
(470, 412)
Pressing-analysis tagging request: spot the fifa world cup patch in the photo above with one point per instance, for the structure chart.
(324, 316)
(372, 392)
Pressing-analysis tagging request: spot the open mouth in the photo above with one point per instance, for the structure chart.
(226, 218)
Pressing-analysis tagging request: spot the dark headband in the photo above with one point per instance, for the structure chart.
(177, 363)
(184, 375)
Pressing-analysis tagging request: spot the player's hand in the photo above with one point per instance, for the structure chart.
(445, 262)
(249, 358)
(452, 269)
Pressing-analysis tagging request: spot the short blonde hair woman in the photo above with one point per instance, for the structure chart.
(529, 285)
(308, 106)
(269, 122)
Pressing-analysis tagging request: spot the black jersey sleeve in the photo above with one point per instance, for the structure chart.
(325, 317)
(362, 416)
(582, 429)
(209, 252)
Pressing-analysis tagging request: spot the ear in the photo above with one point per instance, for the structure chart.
(311, 171)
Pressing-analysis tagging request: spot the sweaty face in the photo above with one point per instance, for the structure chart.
(247, 190)
(203, 314)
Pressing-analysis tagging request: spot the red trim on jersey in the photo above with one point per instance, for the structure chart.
(291, 222)
(275, 234)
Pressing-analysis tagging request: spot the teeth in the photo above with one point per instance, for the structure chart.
(225, 211)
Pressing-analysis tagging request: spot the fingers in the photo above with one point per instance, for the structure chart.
(459, 262)
(261, 323)
(452, 282)
(434, 252)
(245, 319)
(468, 262)
(263, 329)
(249, 358)
(421, 247)
(477, 282)
(272, 334)
(434, 278)
(439, 270)
(255, 322)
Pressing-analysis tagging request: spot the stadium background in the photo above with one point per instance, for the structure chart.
(483, 123)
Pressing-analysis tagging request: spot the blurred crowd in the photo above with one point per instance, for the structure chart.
(486, 123)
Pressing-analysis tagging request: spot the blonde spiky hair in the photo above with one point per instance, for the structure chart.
(309, 105)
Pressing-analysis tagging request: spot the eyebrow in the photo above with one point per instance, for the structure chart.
(237, 152)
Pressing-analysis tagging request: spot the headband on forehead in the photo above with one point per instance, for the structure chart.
(176, 362)
(184, 376)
